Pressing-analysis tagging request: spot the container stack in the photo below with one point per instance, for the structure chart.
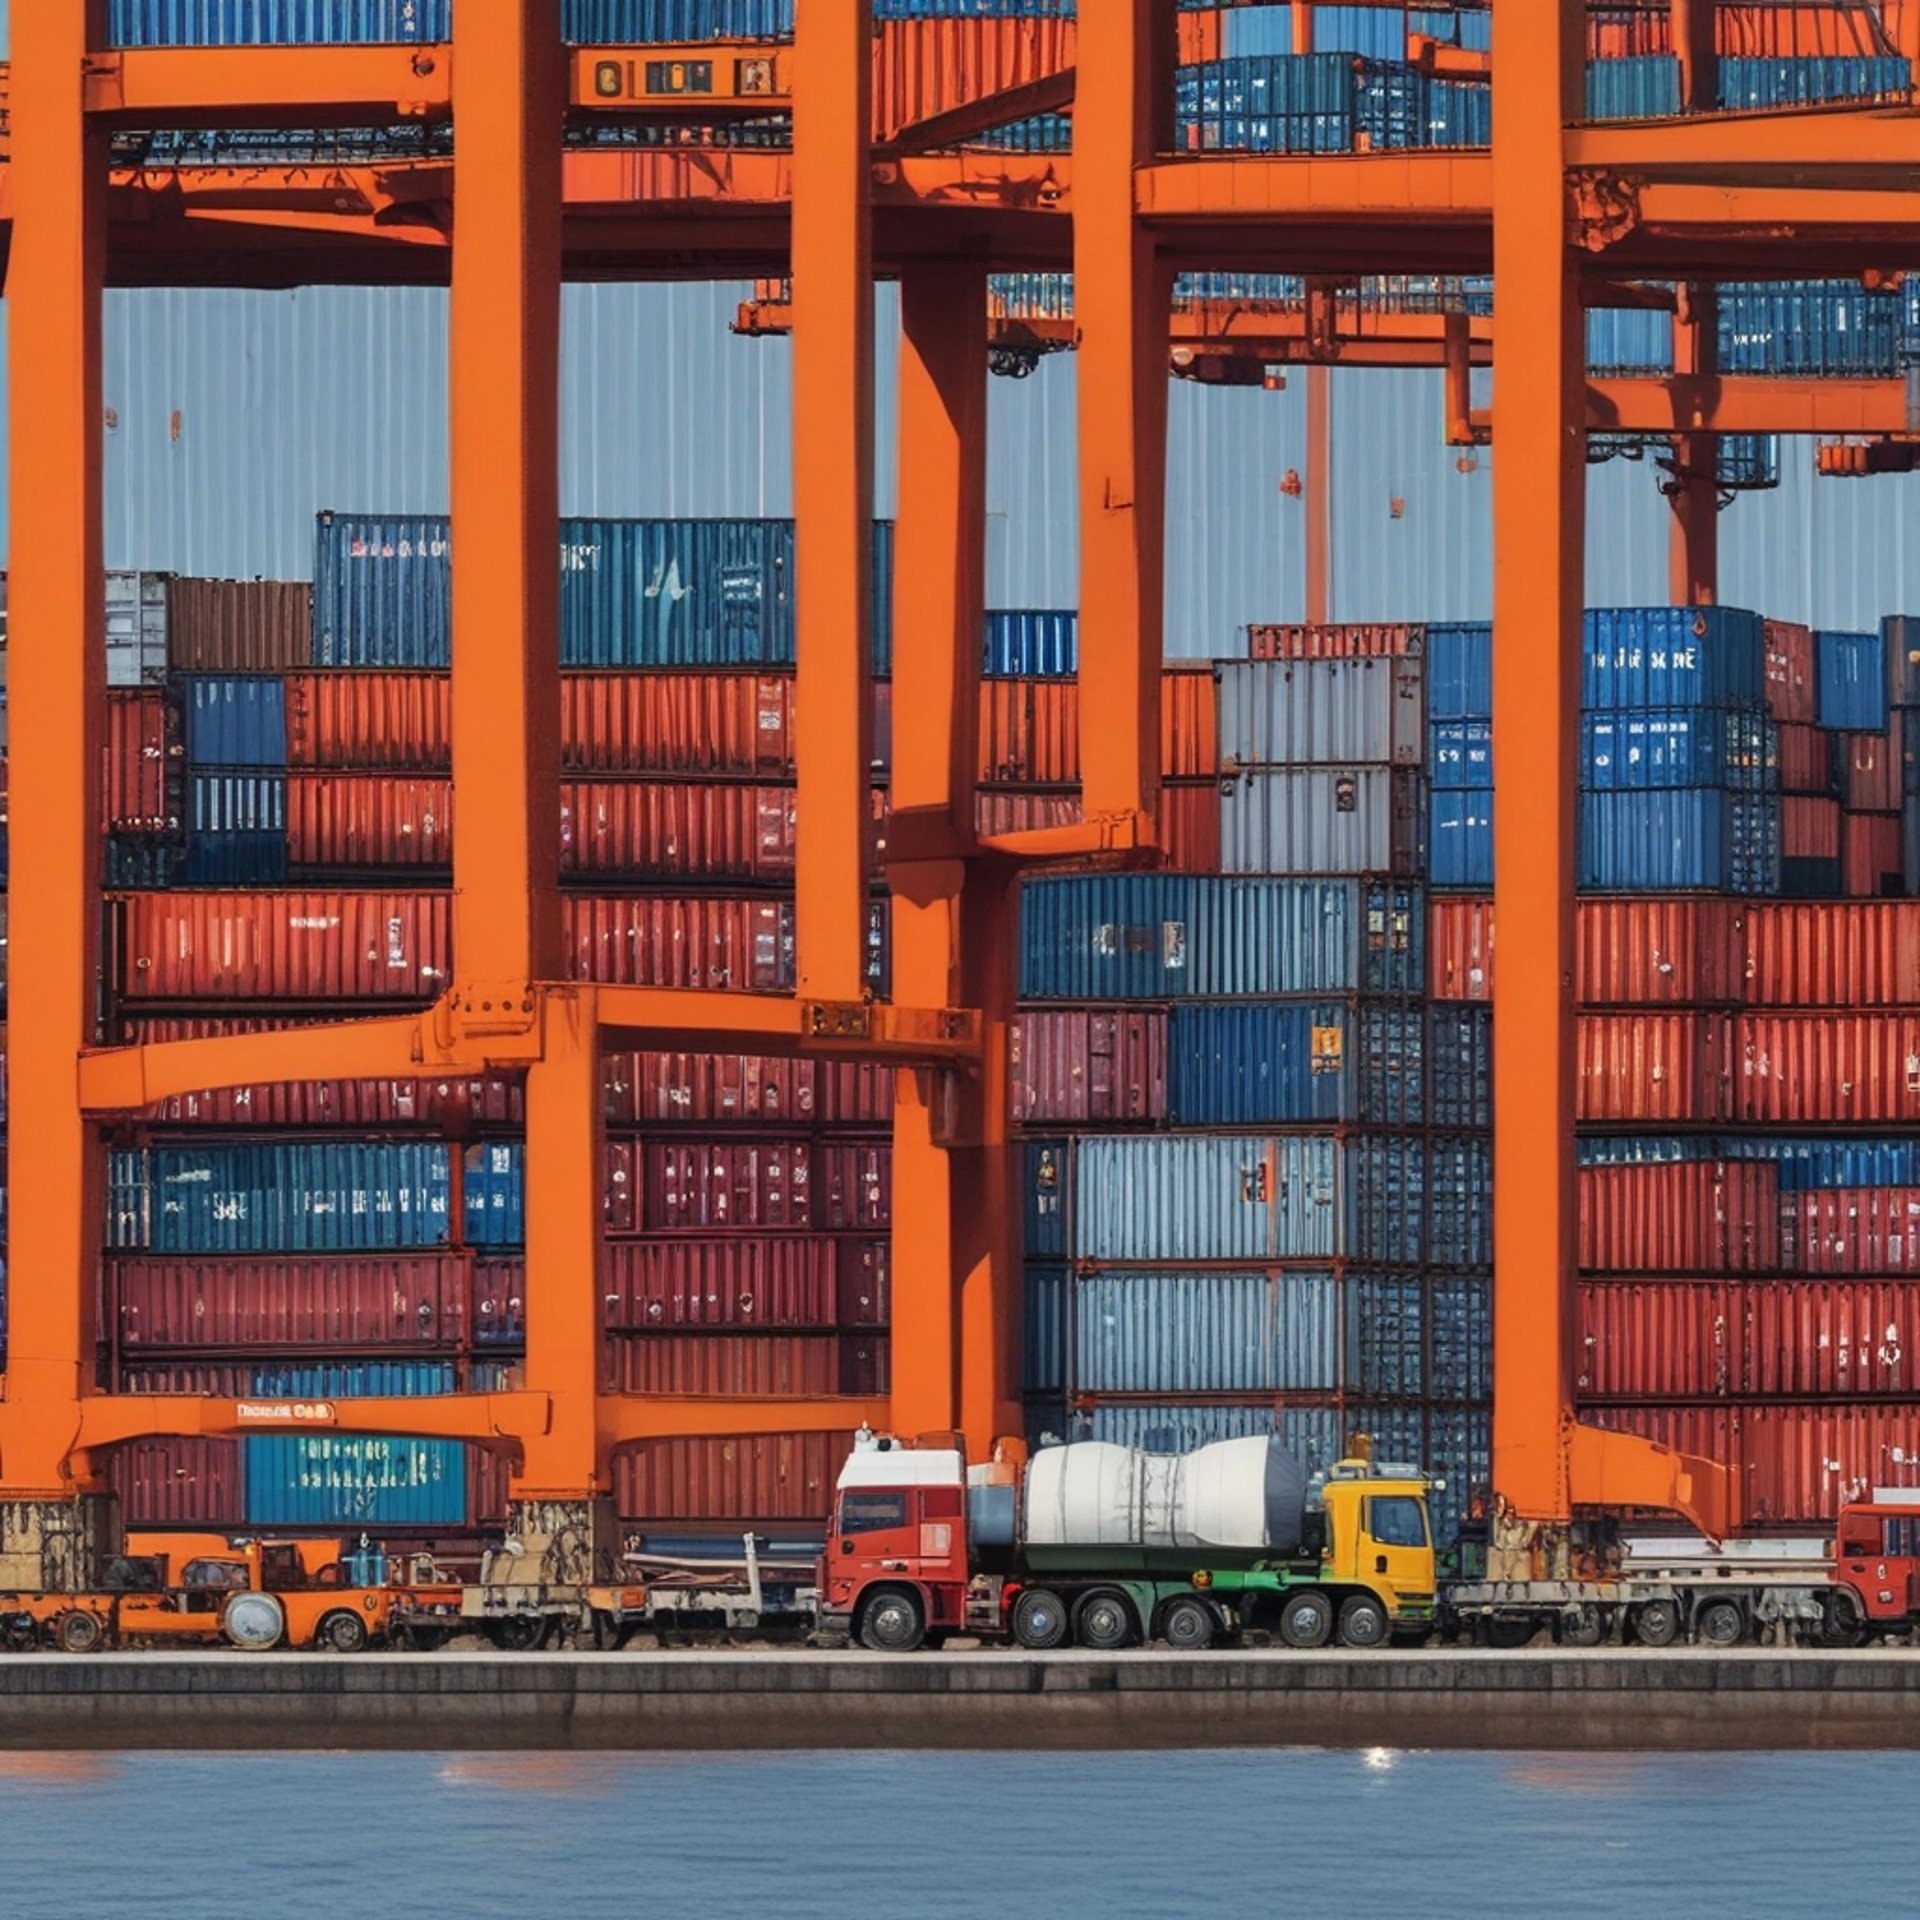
(1256, 1158)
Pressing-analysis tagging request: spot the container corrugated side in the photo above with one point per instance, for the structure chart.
(1232, 1064)
(1731, 747)
(239, 626)
(1207, 1198)
(1696, 1216)
(748, 1365)
(341, 1480)
(235, 720)
(768, 1476)
(136, 628)
(1852, 681)
(1680, 840)
(1643, 1068)
(1323, 820)
(402, 721)
(386, 821)
(1460, 671)
(1206, 1333)
(624, 23)
(701, 723)
(1043, 1321)
(1826, 1068)
(1295, 713)
(1832, 954)
(1073, 1067)
(1459, 1065)
(1673, 657)
(1792, 678)
(665, 1286)
(1460, 838)
(1847, 1230)
(235, 23)
(179, 1481)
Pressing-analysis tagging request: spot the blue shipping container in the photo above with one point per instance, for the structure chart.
(1252, 1063)
(1747, 81)
(1460, 1202)
(1048, 1165)
(1027, 644)
(1679, 840)
(1043, 1367)
(279, 23)
(236, 720)
(1732, 747)
(1851, 681)
(1460, 757)
(349, 1481)
(1460, 838)
(1460, 671)
(284, 1197)
(1267, 103)
(1640, 87)
(1460, 1065)
(1245, 1332)
(626, 23)
(1673, 657)
(494, 1191)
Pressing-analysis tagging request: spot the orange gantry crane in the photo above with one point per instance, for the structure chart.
(1554, 205)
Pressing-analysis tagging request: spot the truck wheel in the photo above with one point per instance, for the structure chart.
(518, 1632)
(1583, 1627)
(1188, 1624)
(1720, 1623)
(1656, 1623)
(1505, 1636)
(1841, 1624)
(342, 1633)
(78, 1632)
(1104, 1621)
(1039, 1620)
(1363, 1622)
(891, 1622)
(1306, 1621)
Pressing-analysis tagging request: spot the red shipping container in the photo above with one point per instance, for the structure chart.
(736, 1479)
(1809, 828)
(661, 1089)
(283, 946)
(1793, 685)
(1352, 641)
(1656, 952)
(238, 626)
(499, 1302)
(1697, 1216)
(369, 820)
(747, 1365)
(1827, 1067)
(853, 1186)
(865, 1281)
(1806, 759)
(146, 763)
(927, 67)
(1088, 1066)
(1653, 1067)
(1852, 1230)
(1460, 948)
(664, 1286)
(1872, 857)
(1832, 954)
(733, 723)
(620, 1187)
(179, 1481)
(399, 721)
(744, 945)
(1775, 1339)
(1190, 825)
(1029, 733)
(745, 1186)
(413, 1301)
(852, 1093)
(1870, 769)
(1796, 1464)
(685, 830)
(489, 1485)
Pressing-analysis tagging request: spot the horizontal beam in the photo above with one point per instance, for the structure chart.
(1846, 145)
(1733, 403)
(244, 87)
(110, 1420)
(1444, 186)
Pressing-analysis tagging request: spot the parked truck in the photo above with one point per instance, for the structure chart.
(1106, 1547)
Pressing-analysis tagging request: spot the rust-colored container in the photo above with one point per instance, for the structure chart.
(1348, 641)
(620, 1187)
(1029, 733)
(758, 1186)
(865, 1277)
(399, 721)
(1870, 768)
(146, 763)
(179, 1482)
(669, 1089)
(1700, 1339)
(666, 1286)
(369, 820)
(489, 1487)
(1653, 1067)
(1189, 723)
(1871, 855)
(769, 1476)
(1711, 1216)
(1797, 1464)
(732, 723)
(239, 626)
(413, 1301)
(1653, 952)
(1809, 828)
(744, 945)
(1460, 948)
(682, 829)
(927, 67)
(499, 1316)
(1088, 1066)
(748, 1364)
(1852, 1230)
(1190, 825)
(1832, 953)
(854, 1094)
(1806, 758)
(1793, 682)
(1830, 1066)
(282, 946)
(1015, 810)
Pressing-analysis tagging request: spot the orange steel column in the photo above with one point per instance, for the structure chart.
(1693, 535)
(1539, 546)
(565, 1153)
(939, 564)
(1122, 295)
(1319, 491)
(833, 488)
(509, 86)
(59, 182)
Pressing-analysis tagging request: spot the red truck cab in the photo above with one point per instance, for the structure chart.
(1876, 1562)
(896, 1568)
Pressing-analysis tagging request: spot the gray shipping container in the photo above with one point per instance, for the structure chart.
(1322, 820)
(1228, 1332)
(1314, 713)
(136, 628)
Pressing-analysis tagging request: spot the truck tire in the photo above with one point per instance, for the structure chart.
(1306, 1621)
(1720, 1623)
(254, 1621)
(1039, 1620)
(518, 1632)
(78, 1631)
(1583, 1627)
(891, 1621)
(1104, 1621)
(1363, 1621)
(1656, 1623)
(341, 1632)
(1188, 1624)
